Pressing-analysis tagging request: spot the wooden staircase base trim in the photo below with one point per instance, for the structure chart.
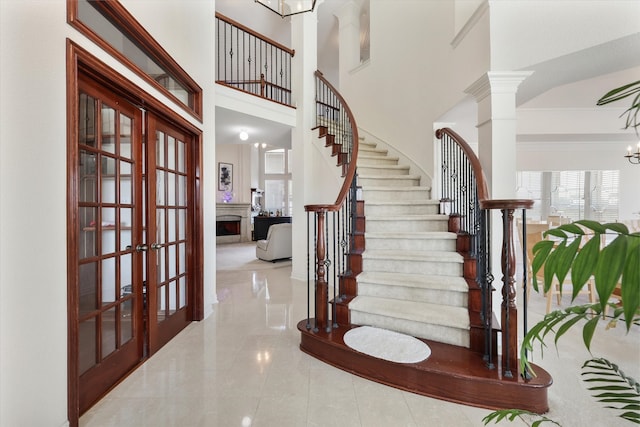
(451, 373)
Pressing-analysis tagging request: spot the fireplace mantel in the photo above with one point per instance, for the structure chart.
(241, 210)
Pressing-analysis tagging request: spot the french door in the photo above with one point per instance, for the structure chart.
(168, 230)
(132, 227)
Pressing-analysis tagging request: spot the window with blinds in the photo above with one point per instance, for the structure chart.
(278, 192)
(573, 195)
(530, 187)
(604, 197)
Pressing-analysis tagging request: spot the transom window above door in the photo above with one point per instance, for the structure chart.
(112, 27)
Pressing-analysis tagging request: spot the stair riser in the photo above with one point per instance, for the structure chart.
(444, 334)
(395, 194)
(400, 244)
(440, 268)
(433, 296)
(396, 209)
(377, 161)
(388, 182)
(382, 171)
(391, 226)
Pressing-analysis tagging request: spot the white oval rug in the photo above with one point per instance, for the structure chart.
(387, 345)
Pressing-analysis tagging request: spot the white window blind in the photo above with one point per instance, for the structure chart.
(276, 180)
(274, 161)
(604, 195)
(530, 187)
(567, 194)
(572, 194)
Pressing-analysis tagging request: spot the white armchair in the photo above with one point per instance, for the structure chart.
(277, 245)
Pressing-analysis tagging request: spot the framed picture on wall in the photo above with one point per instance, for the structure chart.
(225, 176)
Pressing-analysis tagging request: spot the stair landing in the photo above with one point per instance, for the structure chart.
(451, 373)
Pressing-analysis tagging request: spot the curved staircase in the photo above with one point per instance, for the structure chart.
(382, 255)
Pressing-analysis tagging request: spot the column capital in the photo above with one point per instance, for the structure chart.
(497, 82)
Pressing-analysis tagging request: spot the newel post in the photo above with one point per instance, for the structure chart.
(263, 84)
(509, 311)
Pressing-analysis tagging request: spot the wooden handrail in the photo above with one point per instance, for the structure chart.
(483, 192)
(254, 33)
(351, 171)
(506, 204)
(252, 82)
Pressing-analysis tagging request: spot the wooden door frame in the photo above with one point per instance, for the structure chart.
(79, 61)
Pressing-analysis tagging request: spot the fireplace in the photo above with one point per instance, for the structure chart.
(233, 222)
(228, 225)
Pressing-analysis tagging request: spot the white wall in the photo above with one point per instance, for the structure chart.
(414, 75)
(33, 281)
(239, 155)
(464, 10)
(33, 276)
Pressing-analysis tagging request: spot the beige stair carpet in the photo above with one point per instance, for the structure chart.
(411, 280)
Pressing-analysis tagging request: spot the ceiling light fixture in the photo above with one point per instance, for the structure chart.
(286, 8)
(256, 145)
(633, 158)
(244, 135)
(264, 145)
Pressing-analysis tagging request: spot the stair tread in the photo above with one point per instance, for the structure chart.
(385, 166)
(372, 149)
(410, 217)
(426, 202)
(449, 283)
(366, 176)
(414, 235)
(407, 188)
(413, 255)
(424, 312)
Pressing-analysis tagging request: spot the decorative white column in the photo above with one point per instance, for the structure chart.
(495, 93)
(304, 38)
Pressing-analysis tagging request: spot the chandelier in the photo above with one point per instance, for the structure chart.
(286, 8)
(633, 157)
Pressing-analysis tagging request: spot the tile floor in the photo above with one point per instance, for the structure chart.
(242, 367)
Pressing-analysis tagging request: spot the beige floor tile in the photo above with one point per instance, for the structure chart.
(243, 367)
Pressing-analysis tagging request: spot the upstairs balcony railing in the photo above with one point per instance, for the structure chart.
(466, 199)
(251, 62)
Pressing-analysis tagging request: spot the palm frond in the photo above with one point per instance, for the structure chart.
(632, 113)
(512, 414)
(619, 389)
(559, 322)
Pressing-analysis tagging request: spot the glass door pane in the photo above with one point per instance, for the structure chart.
(108, 226)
